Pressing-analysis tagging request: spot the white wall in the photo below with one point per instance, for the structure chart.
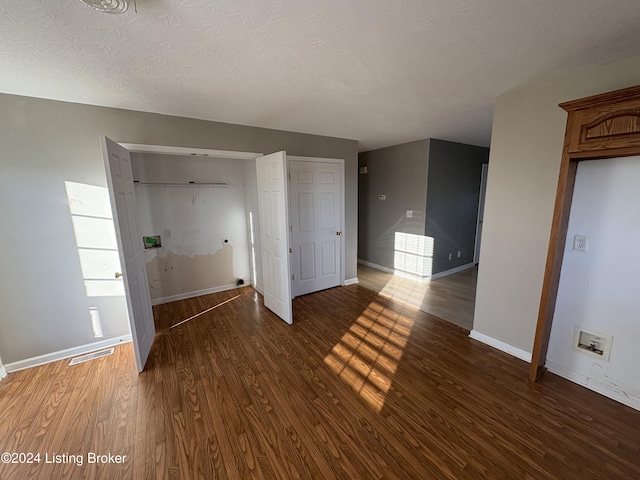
(253, 215)
(526, 145)
(193, 224)
(599, 288)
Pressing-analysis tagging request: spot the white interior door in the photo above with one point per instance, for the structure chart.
(316, 225)
(483, 192)
(274, 234)
(130, 247)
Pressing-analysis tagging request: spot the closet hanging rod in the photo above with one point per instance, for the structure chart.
(188, 184)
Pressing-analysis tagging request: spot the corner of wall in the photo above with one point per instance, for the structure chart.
(502, 346)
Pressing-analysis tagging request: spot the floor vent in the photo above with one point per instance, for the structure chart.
(91, 356)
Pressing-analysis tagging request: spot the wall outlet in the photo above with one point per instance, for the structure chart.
(450, 256)
(459, 253)
(409, 213)
(580, 243)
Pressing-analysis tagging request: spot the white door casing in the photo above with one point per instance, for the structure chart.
(274, 233)
(483, 193)
(316, 224)
(130, 248)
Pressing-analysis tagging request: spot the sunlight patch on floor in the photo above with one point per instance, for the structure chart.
(405, 290)
(367, 356)
(203, 312)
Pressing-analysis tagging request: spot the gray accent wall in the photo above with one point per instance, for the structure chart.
(453, 190)
(399, 173)
(439, 181)
(43, 143)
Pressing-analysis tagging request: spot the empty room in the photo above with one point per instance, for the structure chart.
(319, 240)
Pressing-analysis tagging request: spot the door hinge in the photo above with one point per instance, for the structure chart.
(291, 228)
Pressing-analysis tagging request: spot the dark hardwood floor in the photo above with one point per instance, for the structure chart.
(359, 387)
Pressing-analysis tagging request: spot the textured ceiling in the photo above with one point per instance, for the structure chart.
(379, 71)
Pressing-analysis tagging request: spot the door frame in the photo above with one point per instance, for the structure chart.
(341, 162)
(480, 220)
(598, 128)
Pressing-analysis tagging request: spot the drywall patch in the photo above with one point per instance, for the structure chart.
(177, 274)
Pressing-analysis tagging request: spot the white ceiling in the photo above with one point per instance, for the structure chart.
(382, 72)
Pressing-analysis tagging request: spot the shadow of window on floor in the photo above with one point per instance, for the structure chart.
(367, 356)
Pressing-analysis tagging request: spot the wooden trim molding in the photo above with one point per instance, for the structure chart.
(598, 127)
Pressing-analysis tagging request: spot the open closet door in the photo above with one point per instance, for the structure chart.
(123, 203)
(274, 234)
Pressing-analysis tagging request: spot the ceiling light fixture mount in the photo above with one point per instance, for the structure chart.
(107, 6)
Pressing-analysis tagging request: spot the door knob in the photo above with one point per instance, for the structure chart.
(118, 274)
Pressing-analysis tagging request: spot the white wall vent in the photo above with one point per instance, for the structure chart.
(91, 356)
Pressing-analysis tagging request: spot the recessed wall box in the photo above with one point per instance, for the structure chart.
(595, 344)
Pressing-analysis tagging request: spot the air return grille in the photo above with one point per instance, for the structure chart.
(91, 356)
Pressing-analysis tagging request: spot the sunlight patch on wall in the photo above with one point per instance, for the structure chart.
(254, 275)
(367, 356)
(95, 238)
(413, 255)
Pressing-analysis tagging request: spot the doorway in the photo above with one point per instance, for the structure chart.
(130, 242)
(330, 194)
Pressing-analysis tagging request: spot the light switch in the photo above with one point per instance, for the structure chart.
(382, 196)
(409, 213)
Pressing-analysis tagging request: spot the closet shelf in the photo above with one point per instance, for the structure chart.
(186, 184)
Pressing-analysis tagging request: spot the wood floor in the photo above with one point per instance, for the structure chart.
(451, 298)
(360, 387)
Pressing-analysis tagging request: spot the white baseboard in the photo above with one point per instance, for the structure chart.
(197, 293)
(505, 347)
(3, 372)
(68, 353)
(452, 271)
(610, 391)
(376, 266)
(350, 281)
